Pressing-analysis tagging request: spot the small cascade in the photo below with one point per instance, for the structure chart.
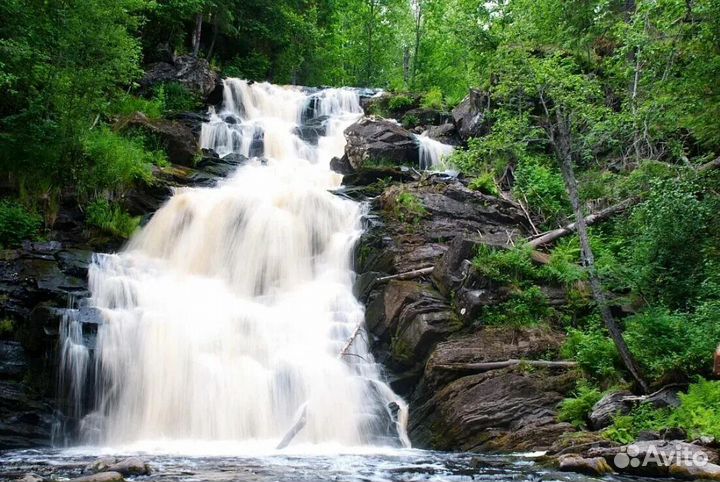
(233, 307)
(432, 152)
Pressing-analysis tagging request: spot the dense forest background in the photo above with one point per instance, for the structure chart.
(632, 87)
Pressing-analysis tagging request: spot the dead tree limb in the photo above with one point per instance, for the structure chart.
(416, 273)
(590, 219)
(297, 426)
(710, 165)
(497, 365)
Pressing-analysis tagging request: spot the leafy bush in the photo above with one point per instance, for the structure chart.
(625, 428)
(668, 342)
(506, 265)
(112, 219)
(576, 410)
(17, 224)
(544, 189)
(128, 104)
(409, 121)
(400, 102)
(433, 99)
(528, 307)
(674, 234)
(484, 183)
(116, 162)
(699, 410)
(408, 208)
(594, 351)
(176, 97)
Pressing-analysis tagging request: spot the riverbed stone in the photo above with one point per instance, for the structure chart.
(101, 477)
(590, 466)
(130, 466)
(375, 141)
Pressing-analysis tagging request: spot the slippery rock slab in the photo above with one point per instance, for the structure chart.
(504, 410)
(374, 141)
(691, 472)
(590, 466)
(469, 115)
(100, 477)
(130, 466)
(181, 143)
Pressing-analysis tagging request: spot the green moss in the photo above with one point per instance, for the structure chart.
(7, 328)
(408, 208)
(484, 183)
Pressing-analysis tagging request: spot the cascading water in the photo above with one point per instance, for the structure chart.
(432, 152)
(233, 306)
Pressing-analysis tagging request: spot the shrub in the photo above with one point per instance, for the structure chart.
(408, 208)
(433, 99)
(544, 189)
(17, 224)
(177, 98)
(116, 162)
(563, 266)
(699, 410)
(625, 428)
(528, 307)
(400, 102)
(128, 104)
(484, 183)
(112, 219)
(506, 265)
(668, 342)
(409, 121)
(594, 351)
(576, 410)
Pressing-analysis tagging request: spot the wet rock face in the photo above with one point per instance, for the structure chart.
(194, 73)
(469, 115)
(179, 140)
(374, 141)
(425, 326)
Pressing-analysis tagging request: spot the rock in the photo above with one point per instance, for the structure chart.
(31, 478)
(694, 472)
(673, 433)
(13, 361)
(100, 477)
(130, 466)
(609, 406)
(589, 466)
(369, 175)
(445, 133)
(469, 115)
(373, 141)
(655, 457)
(341, 165)
(194, 73)
(180, 142)
(450, 271)
(312, 130)
(192, 120)
(504, 410)
(421, 116)
(101, 465)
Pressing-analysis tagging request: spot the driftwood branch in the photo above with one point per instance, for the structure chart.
(497, 365)
(590, 219)
(350, 341)
(710, 165)
(416, 273)
(297, 426)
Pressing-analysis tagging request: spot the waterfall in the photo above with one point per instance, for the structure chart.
(233, 307)
(432, 152)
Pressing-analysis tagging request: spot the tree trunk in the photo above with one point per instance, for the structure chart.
(561, 140)
(590, 219)
(418, 34)
(214, 38)
(498, 365)
(196, 34)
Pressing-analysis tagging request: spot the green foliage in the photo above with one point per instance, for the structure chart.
(594, 351)
(505, 265)
(175, 97)
(544, 190)
(115, 162)
(527, 307)
(111, 218)
(408, 208)
(576, 409)
(669, 343)
(128, 104)
(564, 262)
(484, 183)
(433, 99)
(7, 328)
(400, 102)
(644, 417)
(409, 121)
(17, 224)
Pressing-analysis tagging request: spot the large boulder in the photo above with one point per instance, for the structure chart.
(469, 115)
(374, 141)
(445, 133)
(194, 73)
(179, 141)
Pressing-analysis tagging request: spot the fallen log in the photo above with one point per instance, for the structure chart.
(497, 365)
(416, 273)
(590, 219)
(297, 426)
